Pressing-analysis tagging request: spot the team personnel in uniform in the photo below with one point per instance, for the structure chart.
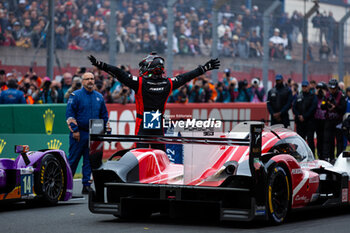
(304, 109)
(320, 117)
(279, 101)
(83, 104)
(152, 88)
(12, 95)
(335, 108)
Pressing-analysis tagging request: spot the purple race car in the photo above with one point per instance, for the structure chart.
(42, 175)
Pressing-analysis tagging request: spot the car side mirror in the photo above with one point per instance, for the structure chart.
(21, 148)
(346, 154)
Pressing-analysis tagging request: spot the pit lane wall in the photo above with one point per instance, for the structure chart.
(44, 126)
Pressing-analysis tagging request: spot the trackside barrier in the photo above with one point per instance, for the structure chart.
(44, 126)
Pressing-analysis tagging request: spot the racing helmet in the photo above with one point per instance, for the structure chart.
(153, 65)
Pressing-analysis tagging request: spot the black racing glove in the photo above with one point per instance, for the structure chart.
(210, 65)
(94, 62)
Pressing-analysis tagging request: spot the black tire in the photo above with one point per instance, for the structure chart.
(50, 181)
(278, 195)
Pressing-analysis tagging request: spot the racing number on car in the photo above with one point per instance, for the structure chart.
(26, 184)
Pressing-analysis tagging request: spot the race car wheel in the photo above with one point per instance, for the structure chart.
(51, 180)
(278, 194)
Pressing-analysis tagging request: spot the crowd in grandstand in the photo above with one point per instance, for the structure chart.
(141, 28)
(37, 90)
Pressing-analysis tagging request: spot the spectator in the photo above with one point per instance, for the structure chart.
(8, 38)
(313, 85)
(84, 40)
(46, 94)
(244, 94)
(61, 38)
(276, 39)
(223, 96)
(279, 101)
(257, 91)
(76, 85)
(121, 95)
(224, 28)
(320, 117)
(304, 109)
(182, 96)
(253, 52)
(324, 52)
(66, 83)
(335, 108)
(256, 40)
(243, 47)
(210, 93)
(279, 52)
(36, 36)
(16, 31)
(25, 35)
(323, 28)
(73, 46)
(197, 94)
(316, 22)
(3, 81)
(12, 95)
(233, 90)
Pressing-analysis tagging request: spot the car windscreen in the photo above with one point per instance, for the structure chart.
(294, 146)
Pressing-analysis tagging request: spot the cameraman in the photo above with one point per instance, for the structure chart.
(320, 117)
(335, 106)
(257, 91)
(304, 108)
(46, 94)
(76, 85)
(121, 95)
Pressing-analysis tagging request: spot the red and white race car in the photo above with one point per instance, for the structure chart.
(252, 172)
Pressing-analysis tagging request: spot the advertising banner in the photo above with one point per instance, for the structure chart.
(44, 126)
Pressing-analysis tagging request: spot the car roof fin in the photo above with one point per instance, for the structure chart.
(275, 134)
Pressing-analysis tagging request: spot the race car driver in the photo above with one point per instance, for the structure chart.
(152, 90)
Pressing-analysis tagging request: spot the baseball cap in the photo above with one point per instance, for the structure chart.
(227, 70)
(278, 77)
(47, 79)
(304, 83)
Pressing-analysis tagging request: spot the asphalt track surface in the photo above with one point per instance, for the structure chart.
(74, 216)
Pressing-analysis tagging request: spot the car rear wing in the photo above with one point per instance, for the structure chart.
(97, 136)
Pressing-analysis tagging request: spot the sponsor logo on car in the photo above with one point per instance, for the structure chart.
(301, 198)
(313, 180)
(297, 171)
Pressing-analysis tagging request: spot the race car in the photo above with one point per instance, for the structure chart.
(253, 172)
(44, 176)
